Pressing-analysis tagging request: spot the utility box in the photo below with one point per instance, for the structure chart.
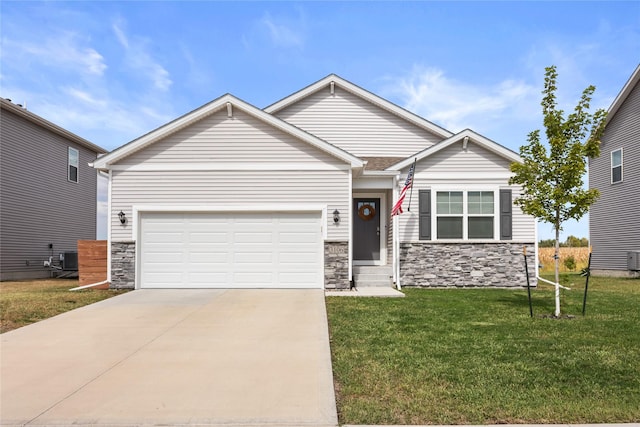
(633, 260)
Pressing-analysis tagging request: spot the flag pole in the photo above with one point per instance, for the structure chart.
(413, 168)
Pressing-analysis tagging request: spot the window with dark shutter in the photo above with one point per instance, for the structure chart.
(506, 232)
(425, 214)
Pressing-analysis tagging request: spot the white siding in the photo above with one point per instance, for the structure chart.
(455, 169)
(243, 162)
(357, 126)
(242, 138)
(219, 190)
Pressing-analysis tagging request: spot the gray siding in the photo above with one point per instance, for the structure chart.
(38, 206)
(357, 126)
(614, 220)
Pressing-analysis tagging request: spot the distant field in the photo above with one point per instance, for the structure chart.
(545, 258)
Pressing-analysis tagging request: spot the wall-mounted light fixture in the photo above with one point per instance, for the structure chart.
(336, 216)
(123, 217)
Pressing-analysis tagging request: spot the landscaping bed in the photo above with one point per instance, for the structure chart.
(475, 356)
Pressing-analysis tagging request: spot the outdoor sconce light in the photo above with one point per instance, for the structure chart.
(336, 216)
(122, 217)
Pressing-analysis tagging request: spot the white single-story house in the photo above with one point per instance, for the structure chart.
(299, 195)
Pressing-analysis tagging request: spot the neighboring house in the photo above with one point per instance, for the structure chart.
(300, 195)
(614, 219)
(47, 192)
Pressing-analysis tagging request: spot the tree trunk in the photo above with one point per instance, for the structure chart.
(557, 262)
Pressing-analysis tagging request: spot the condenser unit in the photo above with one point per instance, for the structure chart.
(633, 260)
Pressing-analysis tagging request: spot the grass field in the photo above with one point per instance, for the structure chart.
(465, 356)
(26, 302)
(545, 258)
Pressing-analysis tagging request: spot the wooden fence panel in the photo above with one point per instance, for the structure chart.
(92, 262)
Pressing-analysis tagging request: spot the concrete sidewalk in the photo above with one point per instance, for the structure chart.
(174, 357)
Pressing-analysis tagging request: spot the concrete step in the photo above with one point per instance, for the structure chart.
(372, 278)
(373, 269)
(373, 275)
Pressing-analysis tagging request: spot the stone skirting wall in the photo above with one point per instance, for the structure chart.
(500, 264)
(123, 265)
(336, 265)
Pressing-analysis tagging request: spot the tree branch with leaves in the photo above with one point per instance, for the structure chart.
(551, 174)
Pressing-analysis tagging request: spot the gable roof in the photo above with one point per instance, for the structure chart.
(225, 101)
(362, 93)
(624, 93)
(467, 133)
(6, 104)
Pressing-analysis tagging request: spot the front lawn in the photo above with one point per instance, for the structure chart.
(26, 302)
(465, 356)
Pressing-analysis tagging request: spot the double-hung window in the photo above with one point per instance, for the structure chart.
(465, 215)
(450, 214)
(616, 166)
(72, 165)
(480, 214)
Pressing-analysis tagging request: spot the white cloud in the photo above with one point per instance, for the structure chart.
(456, 105)
(281, 34)
(61, 49)
(141, 60)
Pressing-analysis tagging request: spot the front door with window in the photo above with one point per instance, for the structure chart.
(366, 229)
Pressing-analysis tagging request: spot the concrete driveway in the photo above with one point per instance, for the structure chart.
(174, 357)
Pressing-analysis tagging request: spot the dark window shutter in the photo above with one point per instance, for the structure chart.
(425, 214)
(506, 232)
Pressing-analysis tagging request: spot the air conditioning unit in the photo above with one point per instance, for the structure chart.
(69, 261)
(633, 260)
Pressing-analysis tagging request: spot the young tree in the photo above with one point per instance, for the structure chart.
(551, 178)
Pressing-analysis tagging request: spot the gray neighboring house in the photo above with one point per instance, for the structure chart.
(614, 220)
(47, 192)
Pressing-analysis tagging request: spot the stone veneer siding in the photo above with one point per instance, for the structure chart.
(336, 265)
(500, 264)
(123, 265)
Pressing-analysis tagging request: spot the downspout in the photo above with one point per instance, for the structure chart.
(109, 188)
(104, 282)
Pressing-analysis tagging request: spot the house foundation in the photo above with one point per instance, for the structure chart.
(336, 265)
(123, 265)
(462, 265)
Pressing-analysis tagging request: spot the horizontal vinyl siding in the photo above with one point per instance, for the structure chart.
(38, 205)
(614, 219)
(357, 126)
(453, 160)
(242, 138)
(459, 170)
(218, 190)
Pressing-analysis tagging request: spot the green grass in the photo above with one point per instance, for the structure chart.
(464, 356)
(26, 302)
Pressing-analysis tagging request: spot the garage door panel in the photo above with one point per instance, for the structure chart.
(226, 250)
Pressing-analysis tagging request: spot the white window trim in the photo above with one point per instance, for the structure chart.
(621, 165)
(69, 164)
(465, 210)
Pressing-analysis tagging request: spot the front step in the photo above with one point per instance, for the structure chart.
(373, 275)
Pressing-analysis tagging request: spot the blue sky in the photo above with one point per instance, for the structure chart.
(112, 71)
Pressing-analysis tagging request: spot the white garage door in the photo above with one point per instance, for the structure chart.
(224, 250)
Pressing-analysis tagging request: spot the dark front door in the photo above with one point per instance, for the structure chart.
(366, 229)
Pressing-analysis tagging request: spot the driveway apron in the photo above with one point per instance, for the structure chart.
(174, 357)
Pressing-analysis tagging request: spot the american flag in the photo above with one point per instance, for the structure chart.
(397, 209)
